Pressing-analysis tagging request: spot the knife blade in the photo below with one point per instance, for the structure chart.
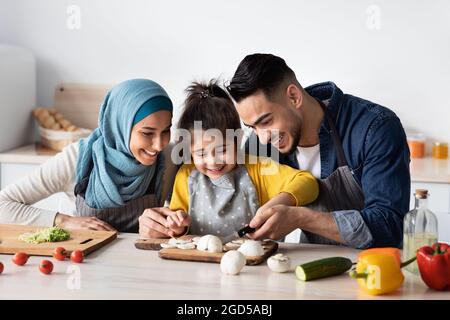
(238, 234)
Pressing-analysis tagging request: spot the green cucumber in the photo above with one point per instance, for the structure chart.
(322, 268)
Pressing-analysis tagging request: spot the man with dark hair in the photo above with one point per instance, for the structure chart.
(356, 148)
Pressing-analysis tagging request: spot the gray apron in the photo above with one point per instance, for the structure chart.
(339, 191)
(221, 206)
(124, 218)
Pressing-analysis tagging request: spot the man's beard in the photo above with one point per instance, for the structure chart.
(296, 135)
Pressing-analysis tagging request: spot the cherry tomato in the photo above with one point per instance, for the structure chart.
(46, 266)
(59, 253)
(20, 258)
(1, 267)
(77, 256)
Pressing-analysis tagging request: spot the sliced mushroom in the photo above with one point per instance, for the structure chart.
(231, 246)
(238, 241)
(175, 241)
(167, 246)
(186, 246)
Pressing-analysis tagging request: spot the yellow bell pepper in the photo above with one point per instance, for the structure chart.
(379, 272)
(392, 251)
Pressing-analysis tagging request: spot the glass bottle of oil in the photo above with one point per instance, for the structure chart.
(420, 228)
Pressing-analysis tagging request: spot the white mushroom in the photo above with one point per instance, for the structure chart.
(210, 243)
(186, 246)
(196, 239)
(167, 246)
(279, 263)
(232, 262)
(251, 248)
(175, 242)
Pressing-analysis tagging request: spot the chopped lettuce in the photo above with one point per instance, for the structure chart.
(52, 234)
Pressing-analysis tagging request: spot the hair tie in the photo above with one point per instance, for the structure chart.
(205, 94)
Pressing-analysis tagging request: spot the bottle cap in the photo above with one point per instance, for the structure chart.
(421, 193)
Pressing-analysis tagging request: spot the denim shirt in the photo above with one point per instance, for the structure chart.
(376, 151)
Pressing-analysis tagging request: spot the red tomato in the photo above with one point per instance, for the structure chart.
(46, 266)
(59, 253)
(20, 258)
(1, 267)
(77, 256)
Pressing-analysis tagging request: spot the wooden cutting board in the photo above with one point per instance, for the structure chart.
(270, 247)
(84, 240)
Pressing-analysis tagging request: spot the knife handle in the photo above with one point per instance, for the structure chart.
(247, 229)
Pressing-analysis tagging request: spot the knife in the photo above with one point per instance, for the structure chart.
(238, 234)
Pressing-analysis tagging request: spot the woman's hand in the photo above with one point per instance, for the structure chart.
(91, 223)
(153, 223)
(178, 222)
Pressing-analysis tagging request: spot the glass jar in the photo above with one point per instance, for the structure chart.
(420, 228)
(440, 150)
(416, 144)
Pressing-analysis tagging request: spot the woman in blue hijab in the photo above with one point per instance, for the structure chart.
(120, 165)
(121, 171)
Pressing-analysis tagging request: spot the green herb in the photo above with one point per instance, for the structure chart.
(52, 234)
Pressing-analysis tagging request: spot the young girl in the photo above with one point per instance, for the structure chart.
(219, 195)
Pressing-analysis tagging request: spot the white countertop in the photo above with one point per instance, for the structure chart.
(120, 271)
(29, 154)
(422, 170)
(430, 170)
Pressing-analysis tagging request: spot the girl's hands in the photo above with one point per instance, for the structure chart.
(155, 223)
(178, 222)
(91, 223)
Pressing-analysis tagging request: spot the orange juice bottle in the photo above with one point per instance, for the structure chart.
(416, 145)
(440, 150)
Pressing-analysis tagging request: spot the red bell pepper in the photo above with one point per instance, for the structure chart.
(434, 265)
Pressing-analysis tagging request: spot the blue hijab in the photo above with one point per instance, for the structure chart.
(115, 176)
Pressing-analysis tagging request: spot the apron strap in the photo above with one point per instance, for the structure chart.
(335, 136)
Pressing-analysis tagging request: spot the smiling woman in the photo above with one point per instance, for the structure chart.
(113, 175)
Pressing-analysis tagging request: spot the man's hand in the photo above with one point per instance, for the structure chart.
(275, 222)
(177, 222)
(278, 221)
(153, 223)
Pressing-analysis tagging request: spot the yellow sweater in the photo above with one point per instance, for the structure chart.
(269, 178)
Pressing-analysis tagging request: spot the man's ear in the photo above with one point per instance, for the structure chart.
(295, 96)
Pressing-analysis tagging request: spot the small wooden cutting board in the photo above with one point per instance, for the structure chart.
(269, 246)
(84, 240)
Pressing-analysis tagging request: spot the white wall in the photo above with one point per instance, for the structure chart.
(17, 96)
(404, 65)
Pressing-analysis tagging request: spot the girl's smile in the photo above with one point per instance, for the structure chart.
(212, 157)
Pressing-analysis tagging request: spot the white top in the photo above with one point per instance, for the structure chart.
(55, 175)
(309, 159)
(129, 273)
